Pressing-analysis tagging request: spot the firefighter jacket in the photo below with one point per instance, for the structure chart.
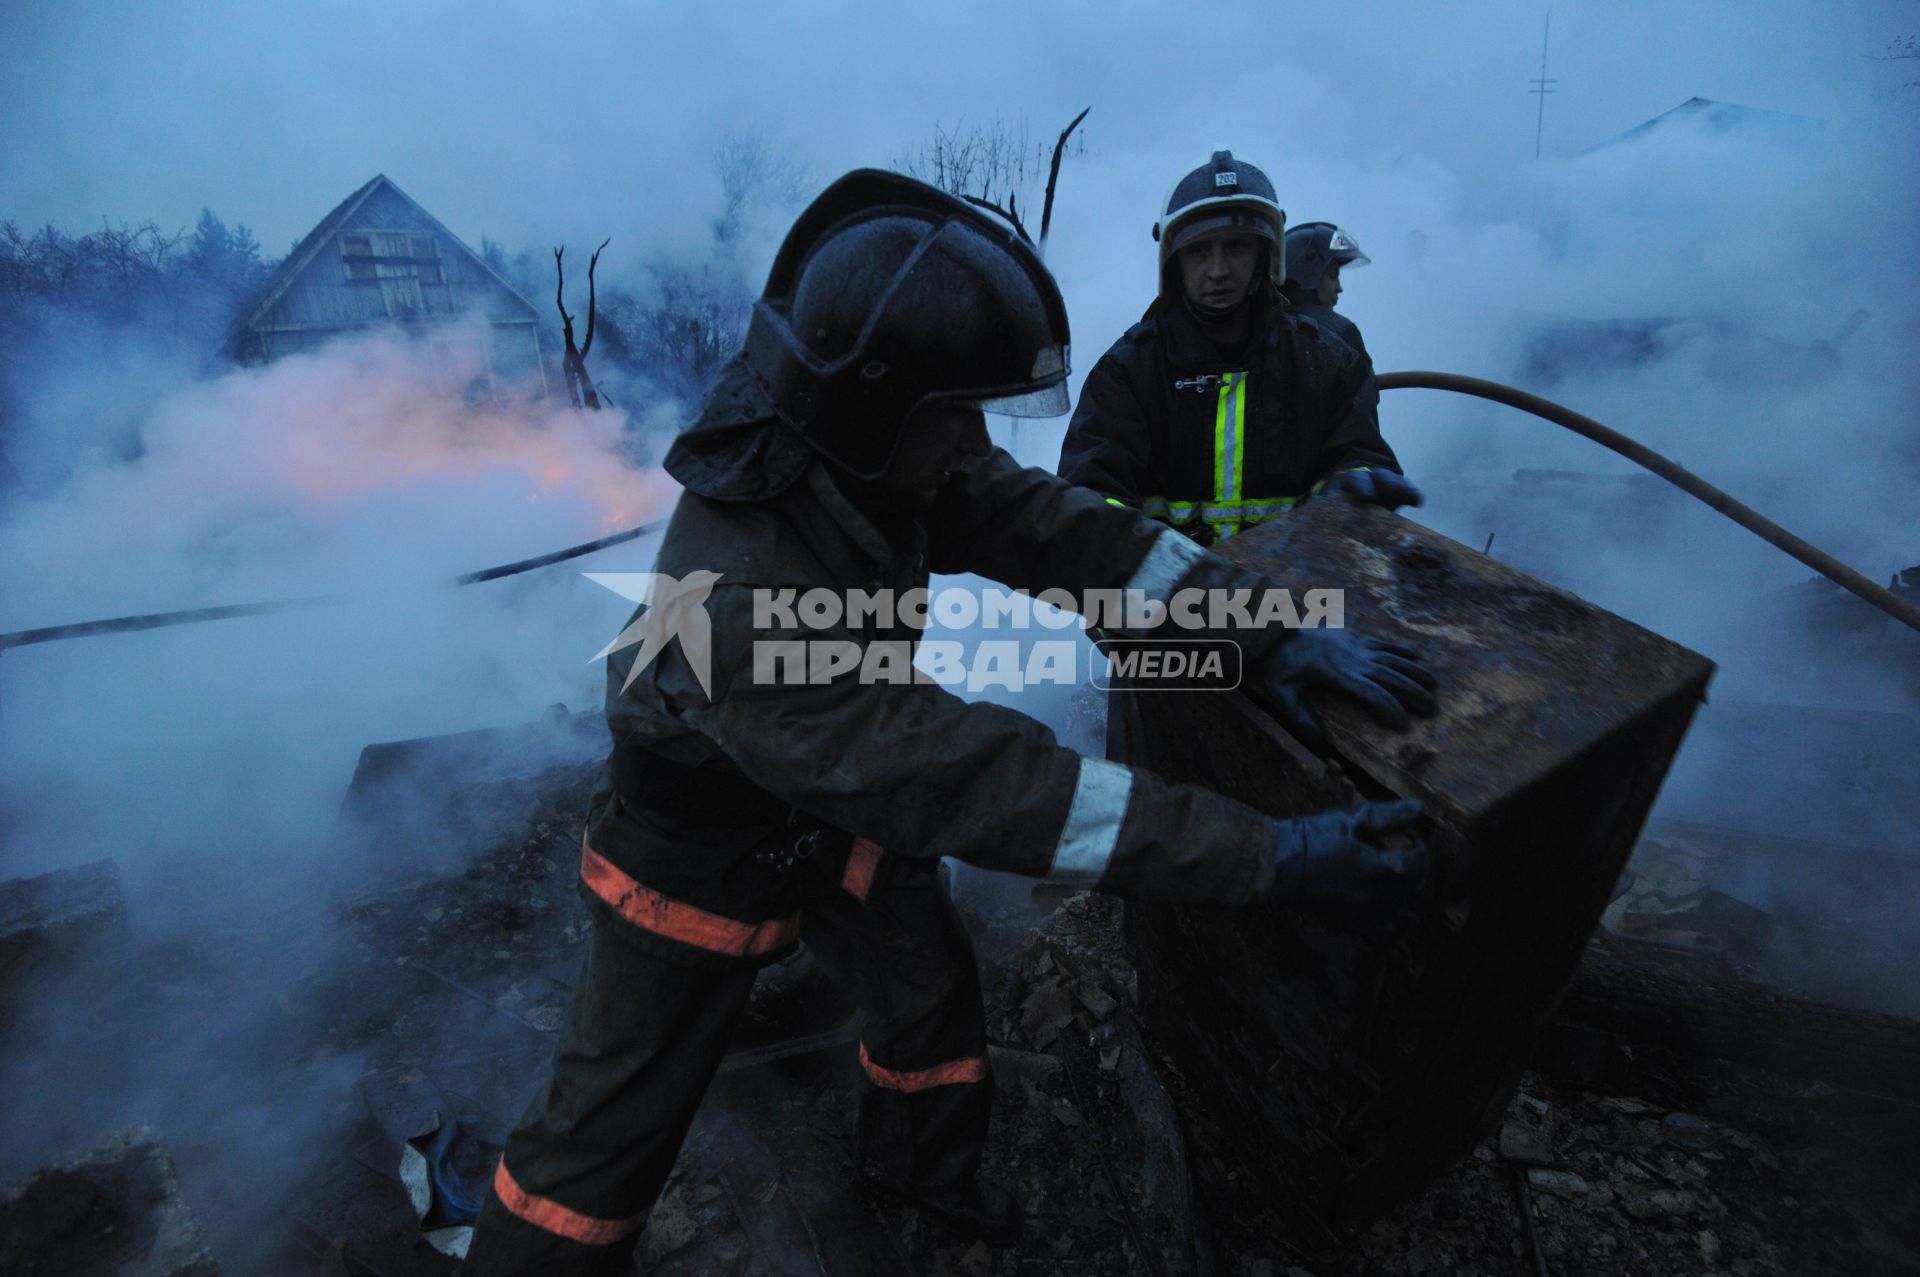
(1212, 440)
(1329, 318)
(712, 787)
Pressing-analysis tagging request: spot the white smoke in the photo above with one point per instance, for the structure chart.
(358, 472)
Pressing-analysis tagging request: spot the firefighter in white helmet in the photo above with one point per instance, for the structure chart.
(1317, 254)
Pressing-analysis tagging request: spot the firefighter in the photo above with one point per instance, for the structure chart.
(741, 813)
(1221, 409)
(1316, 253)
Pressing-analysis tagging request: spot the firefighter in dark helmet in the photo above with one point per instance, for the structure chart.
(1317, 254)
(741, 813)
(1222, 408)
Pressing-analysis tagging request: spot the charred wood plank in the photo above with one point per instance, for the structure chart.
(1721, 1015)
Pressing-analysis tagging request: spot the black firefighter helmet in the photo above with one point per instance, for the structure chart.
(1314, 246)
(888, 293)
(1223, 194)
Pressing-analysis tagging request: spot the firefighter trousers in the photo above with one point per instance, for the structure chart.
(644, 1035)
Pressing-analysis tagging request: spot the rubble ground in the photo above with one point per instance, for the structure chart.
(1677, 1166)
(1680, 1167)
(451, 994)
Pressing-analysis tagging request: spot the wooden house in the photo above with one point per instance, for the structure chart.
(381, 259)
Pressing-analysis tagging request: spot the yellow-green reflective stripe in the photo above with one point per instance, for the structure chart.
(1161, 508)
(1218, 513)
(1229, 449)
(1247, 509)
(1229, 438)
(1220, 442)
(1227, 520)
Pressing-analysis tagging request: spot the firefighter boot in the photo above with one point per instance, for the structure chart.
(979, 1210)
(923, 1148)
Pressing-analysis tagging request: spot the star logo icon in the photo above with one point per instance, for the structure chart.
(675, 608)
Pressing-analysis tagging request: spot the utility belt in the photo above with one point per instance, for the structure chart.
(727, 911)
(644, 781)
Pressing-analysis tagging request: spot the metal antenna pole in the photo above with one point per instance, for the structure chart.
(1542, 87)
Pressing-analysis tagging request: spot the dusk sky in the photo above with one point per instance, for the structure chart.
(534, 121)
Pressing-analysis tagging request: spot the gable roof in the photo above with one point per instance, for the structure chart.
(1723, 117)
(316, 239)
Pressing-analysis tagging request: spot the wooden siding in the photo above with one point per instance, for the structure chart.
(451, 282)
(382, 259)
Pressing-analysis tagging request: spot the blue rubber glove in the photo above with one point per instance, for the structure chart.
(1333, 862)
(1378, 487)
(1387, 680)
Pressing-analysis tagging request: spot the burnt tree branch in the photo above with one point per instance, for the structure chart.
(1053, 176)
(580, 387)
(1011, 212)
(592, 262)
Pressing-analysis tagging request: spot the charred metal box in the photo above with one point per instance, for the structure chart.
(1338, 1072)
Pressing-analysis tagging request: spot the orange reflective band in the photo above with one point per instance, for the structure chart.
(544, 1213)
(861, 864)
(971, 1069)
(650, 911)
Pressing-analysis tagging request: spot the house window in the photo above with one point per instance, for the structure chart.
(386, 257)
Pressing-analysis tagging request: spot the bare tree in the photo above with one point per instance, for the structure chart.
(752, 170)
(686, 329)
(690, 317)
(1905, 48)
(580, 387)
(1053, 175)
(992, 166)
(113, 259)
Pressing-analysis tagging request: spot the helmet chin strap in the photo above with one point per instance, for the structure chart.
(1213, 316)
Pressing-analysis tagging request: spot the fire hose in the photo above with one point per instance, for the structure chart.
(157, 620)
(1693, 485)
(1638, 453)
